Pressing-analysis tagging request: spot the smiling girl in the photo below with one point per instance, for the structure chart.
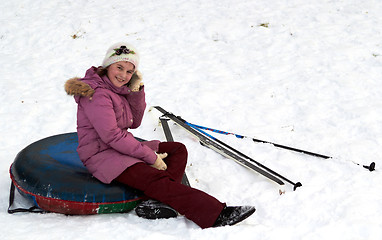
(111, 100)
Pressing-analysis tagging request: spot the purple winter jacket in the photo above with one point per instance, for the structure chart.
(105, 146)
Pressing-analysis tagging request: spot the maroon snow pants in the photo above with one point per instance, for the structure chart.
(165, 186)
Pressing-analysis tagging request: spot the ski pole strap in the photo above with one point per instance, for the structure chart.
(33, 209)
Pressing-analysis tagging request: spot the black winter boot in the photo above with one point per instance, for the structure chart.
(232, 215)
(152, 209)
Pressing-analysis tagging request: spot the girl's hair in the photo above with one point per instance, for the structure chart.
(102, 71)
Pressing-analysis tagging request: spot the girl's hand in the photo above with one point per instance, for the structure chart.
(136, 81)
(159, 163)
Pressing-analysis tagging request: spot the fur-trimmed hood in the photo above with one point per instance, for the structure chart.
(75, 87)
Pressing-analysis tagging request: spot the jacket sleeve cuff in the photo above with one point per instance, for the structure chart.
(151, 160)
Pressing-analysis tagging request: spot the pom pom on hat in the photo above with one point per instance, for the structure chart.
(121, 52)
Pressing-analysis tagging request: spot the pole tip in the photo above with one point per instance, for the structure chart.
(371, 167)
(298, 184)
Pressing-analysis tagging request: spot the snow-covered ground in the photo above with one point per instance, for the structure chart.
(301, 73)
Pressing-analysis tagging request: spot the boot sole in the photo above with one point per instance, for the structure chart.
(155, 213)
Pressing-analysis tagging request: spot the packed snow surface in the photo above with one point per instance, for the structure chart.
(306, 74)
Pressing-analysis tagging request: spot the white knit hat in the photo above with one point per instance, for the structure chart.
(121, 52)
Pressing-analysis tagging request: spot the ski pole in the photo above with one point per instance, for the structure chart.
(371, 167)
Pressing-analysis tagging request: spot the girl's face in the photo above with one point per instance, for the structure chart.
(120, 73)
